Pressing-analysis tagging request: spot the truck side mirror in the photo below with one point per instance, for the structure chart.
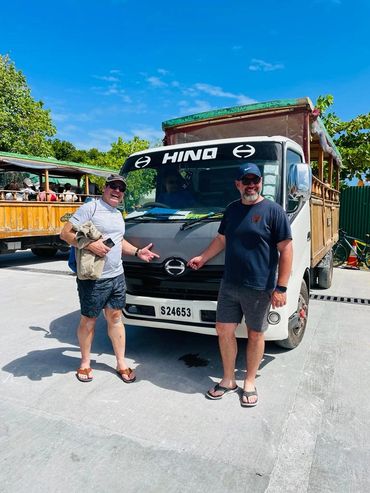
(300, 181)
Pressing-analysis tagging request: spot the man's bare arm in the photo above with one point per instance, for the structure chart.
(285, 249)
(214, 248)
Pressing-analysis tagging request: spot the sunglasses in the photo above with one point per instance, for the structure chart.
(250, 181)
(115, 186)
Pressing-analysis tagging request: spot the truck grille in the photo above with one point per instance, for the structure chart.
(152, 280)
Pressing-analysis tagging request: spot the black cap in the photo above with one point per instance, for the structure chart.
(113, 178)
(247, 169)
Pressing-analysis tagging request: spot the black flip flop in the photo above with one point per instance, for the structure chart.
(224, 390)
(247, 395)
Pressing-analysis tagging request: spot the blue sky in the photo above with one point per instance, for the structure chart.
(120, 67)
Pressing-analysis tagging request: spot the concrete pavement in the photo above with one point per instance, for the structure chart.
(308, 433)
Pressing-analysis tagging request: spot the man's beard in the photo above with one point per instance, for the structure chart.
(251, 197)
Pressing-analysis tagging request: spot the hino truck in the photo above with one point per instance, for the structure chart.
(300, 168)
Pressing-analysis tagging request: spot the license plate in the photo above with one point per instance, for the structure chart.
(175, 311)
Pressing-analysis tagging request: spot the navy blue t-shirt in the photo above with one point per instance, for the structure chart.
(252, 233)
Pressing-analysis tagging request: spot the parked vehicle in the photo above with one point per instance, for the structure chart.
(287, 140)
(31, 217)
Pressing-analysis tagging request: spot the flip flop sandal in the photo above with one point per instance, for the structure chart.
(247, 395)
(224, 390)
(84, 371)
(131, 377)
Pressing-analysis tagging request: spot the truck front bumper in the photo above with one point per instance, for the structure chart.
(190, 316)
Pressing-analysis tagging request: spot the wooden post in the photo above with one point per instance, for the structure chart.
(87, 184)
(321, 165)
(46, 180)
(337, 176)
(330, 174)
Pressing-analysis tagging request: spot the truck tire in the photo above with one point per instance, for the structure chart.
(295, 334)
(324, 278)
(313, 277)
(325, 273)
(47, 252)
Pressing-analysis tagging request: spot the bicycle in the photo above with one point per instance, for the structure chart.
(341, 248)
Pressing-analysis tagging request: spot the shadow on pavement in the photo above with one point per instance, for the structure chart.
(179, 361)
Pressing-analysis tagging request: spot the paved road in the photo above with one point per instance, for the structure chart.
(309, 433)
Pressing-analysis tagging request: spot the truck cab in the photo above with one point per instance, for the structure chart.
(181, 222)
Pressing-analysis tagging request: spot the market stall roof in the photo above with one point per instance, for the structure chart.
(16, 162)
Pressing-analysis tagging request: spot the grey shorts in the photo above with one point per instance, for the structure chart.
(236, 301)
(103, 293)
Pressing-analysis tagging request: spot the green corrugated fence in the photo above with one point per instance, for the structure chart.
(354, 215)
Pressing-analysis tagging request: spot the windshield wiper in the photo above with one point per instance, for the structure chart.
(193, 222)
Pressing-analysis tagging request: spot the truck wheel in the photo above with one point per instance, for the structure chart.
(313, 277)
(47, 252)
(295, 334)
(324, 278)
(325, 274)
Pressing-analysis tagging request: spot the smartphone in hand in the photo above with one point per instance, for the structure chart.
(109, 242)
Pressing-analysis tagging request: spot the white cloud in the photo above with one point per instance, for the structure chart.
(101, 139)
(260, 65)
(156, 82)
(60, 117)
(107, 78)
(162, 71)
(199, 106)
(147, 133)
(219, 92)
(112, 90)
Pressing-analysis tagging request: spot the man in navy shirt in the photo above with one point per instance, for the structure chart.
(256, 236)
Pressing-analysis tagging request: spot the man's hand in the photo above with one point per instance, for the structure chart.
(278, 299)
(196, 262)
(98, 248)
(146, 254)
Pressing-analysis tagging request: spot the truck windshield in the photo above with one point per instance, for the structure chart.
(195, 181)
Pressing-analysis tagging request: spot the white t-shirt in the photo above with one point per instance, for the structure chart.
(69, 196)
(109, 221)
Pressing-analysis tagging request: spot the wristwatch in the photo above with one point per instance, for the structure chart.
(282, 289)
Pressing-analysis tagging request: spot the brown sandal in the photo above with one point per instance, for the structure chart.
(131, 377)
(84, 371)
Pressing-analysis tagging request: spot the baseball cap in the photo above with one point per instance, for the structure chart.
(113, 178)
(247, 169)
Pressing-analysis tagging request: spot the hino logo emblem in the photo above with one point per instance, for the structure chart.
(142, 162)
(190, 155)
(244, 151)
(175, 266)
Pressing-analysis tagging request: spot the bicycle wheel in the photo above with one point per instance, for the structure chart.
(367, 259)
(339, 255)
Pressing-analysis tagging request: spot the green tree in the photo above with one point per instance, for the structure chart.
(63, 150)
(138, 183)
(24, 124)
(351, 137)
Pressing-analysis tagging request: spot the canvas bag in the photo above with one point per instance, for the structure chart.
(72, 264)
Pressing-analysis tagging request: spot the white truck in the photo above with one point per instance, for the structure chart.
(287, 140)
